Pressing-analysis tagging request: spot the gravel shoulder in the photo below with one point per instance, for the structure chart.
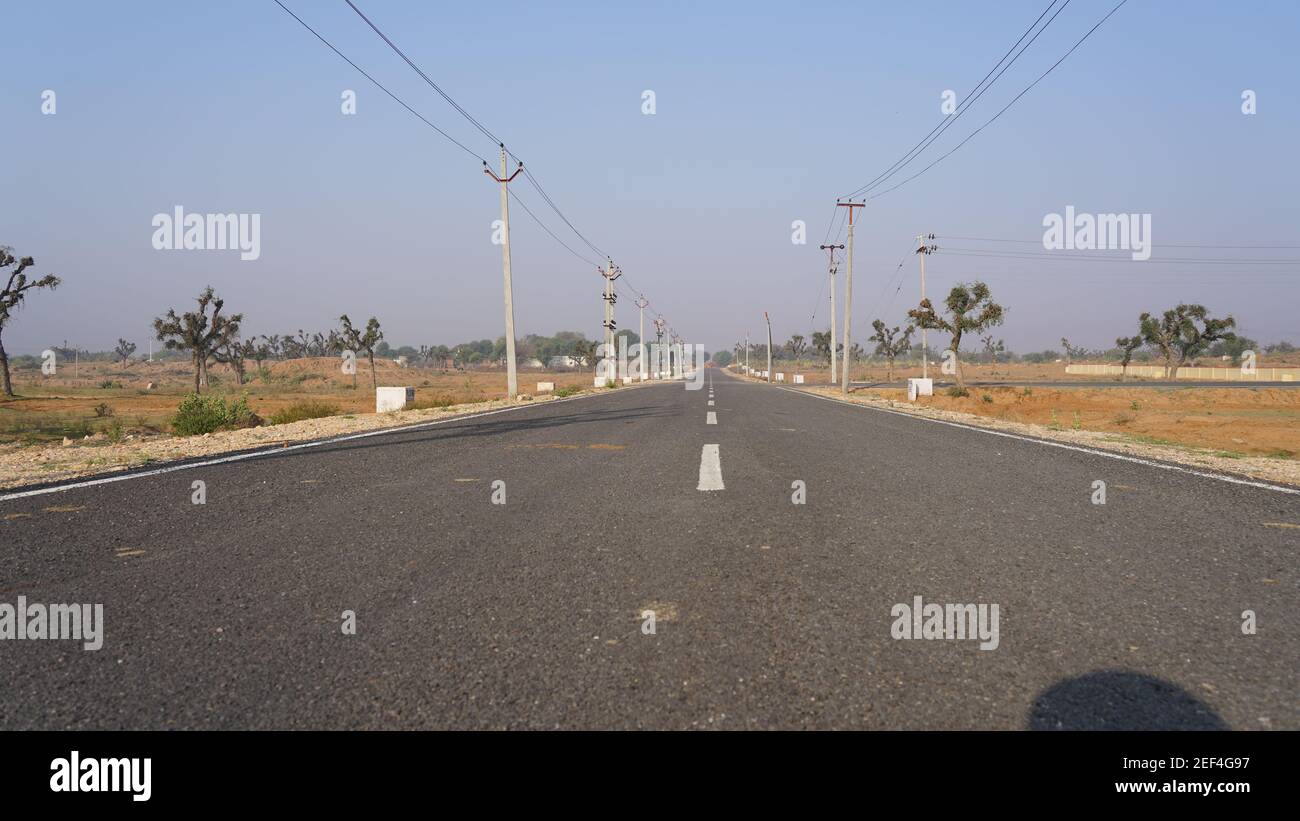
(25, 466)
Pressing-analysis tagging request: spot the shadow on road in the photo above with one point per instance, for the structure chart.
(1118, 700)
(491, 427)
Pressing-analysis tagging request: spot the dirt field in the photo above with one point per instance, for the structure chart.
(1231, 422)
(1012, 372)
(51, 408)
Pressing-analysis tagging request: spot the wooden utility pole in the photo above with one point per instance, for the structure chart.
(848, 298)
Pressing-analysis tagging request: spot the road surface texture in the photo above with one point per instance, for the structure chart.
(769, 614)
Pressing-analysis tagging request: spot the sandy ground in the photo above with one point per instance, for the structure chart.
(35, 450)
(46, 405)
(997, 416)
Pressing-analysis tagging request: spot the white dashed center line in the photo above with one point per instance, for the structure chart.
(711, 419)
(710, 469)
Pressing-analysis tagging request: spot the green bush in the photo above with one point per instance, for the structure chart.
(563, 392)
(199, 414)
(103, 410)
(307, 409)
(956, 391)
(987, 398)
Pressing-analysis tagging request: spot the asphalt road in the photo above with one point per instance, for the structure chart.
(769, 614)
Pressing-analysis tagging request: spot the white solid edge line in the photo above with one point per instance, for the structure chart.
(710, 469)
(1079, 448)
(239, 457)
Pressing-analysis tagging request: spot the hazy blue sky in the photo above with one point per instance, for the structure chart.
(765, 113)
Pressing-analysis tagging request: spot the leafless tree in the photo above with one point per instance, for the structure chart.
(890, 344)
(356, 341)
(124, 350)
(11, 298)
(796, 346)
(200, 334)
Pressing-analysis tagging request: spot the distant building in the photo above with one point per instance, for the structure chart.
(566, 362)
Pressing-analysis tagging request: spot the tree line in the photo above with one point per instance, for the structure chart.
(1177, 337)
(210, 335)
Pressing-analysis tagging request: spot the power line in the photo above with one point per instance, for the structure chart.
(530, 213)
(473, 121)
(1014, 100)
(418, 71)
(1064, 257)
(483, 129)
(380, 85)
(1162, 244)
(533, 180)
(966, 102)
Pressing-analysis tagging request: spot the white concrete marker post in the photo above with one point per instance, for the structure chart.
(919, 387)
(393, 399)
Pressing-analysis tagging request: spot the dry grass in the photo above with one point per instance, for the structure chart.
(1229, 421)
(48, 409)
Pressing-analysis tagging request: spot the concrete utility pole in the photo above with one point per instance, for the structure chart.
(641, 303)
(769, 345)
(848, 300)
(610, 272)
(830, 249)
(924, 251)
(512, 380)
(746, 352)
(659, 346)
